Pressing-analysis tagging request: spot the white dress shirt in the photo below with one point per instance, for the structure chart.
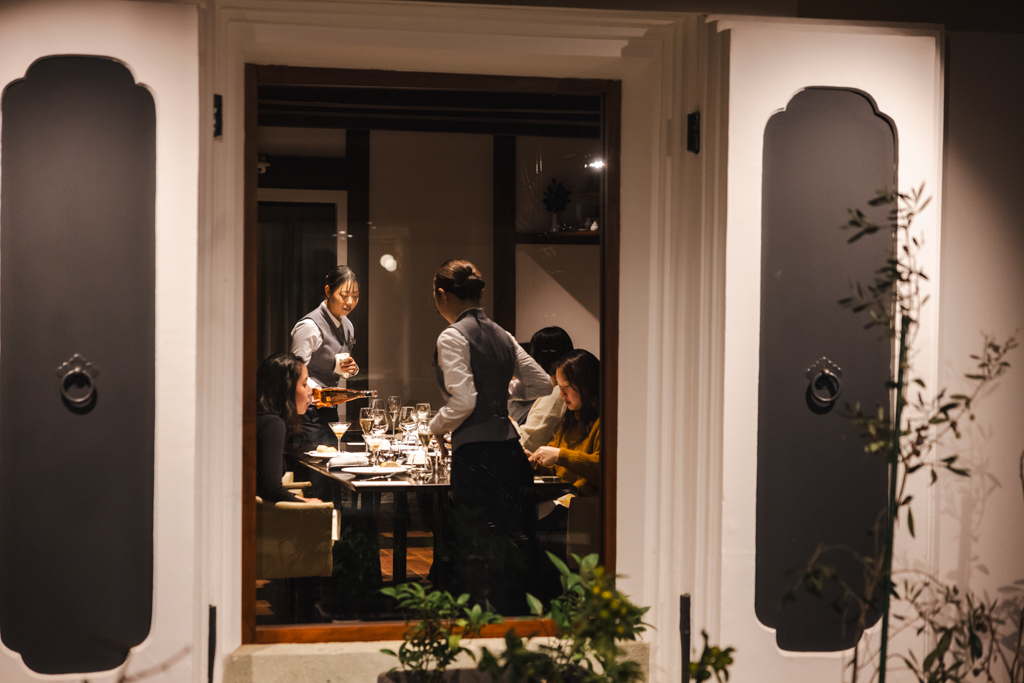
(540, 424)
(453, 359)
(306, 338)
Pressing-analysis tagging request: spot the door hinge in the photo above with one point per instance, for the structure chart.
(693, 132)
(218, 116)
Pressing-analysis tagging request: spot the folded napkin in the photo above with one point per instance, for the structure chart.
(349, 460)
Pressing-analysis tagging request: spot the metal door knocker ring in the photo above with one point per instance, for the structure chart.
(77, 372)
(825, 384)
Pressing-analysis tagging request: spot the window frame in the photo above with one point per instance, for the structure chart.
(257, 75)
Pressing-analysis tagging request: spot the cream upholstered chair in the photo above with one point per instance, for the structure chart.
(293, 539)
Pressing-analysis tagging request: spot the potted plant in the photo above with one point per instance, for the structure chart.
(556, 198)
(590, 617)
(436, 624)
(969, 637)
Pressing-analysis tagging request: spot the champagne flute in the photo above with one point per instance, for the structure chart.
(394, 405)
(423, 411)
(366, 419)
(339, 429)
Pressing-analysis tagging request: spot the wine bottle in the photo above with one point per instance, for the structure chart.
(325, 397)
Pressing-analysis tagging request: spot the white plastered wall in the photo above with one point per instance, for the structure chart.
(159, 44)
(770, 61)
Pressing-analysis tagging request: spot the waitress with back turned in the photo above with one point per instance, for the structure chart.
(323, 339)
(475, 360)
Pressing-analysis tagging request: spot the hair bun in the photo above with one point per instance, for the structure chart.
(460, 278)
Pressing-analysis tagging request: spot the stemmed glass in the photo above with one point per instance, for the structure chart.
(380, 421)
(407, 422)
(366, 419)
(339, 429)
(394, 405)
(422, 411)
(377, 431)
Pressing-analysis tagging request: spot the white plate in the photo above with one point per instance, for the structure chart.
(375, 471)
(329, 454)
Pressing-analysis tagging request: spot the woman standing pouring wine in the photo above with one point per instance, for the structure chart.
(475, 360)
(323, 339)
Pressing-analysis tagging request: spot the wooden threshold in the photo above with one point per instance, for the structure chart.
(385, 630)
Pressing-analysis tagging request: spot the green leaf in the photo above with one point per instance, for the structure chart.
(910, 522)
(562, 568)
(389, 652)
(536, 606)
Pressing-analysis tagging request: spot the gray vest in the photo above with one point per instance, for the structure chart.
(492, 358)
(336, 340)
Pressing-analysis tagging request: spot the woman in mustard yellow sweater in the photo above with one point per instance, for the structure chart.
(574, 453)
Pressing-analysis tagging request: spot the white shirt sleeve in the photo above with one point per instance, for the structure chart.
(453, 359)
(540, 424)
(535, 383)
(306, 339)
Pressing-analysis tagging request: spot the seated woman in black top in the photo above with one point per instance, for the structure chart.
(282, 397)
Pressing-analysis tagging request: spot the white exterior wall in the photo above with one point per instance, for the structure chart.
(688, 335)
(159, 44)
(770, 61)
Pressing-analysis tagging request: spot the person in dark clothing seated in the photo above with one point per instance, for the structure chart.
(282, 398)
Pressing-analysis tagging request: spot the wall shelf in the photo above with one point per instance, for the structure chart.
(567, 237)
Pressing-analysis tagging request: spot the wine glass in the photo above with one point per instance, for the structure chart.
(339, 429)
(422, 411)
(380, 421)
(394, 405)
(372, 447)
(366, 420)
(377, 403)
(407, 422)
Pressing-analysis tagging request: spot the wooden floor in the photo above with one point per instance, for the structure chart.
(419, 556)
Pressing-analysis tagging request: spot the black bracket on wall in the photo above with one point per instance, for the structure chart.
(218, 116)
(693, 132)
(684, 633)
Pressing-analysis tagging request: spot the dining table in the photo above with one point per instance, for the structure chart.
(367, 491)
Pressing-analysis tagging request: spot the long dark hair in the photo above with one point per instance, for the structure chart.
(275, 388)
(461, 279)
(548, 345)
(338, 276)
(582, 371)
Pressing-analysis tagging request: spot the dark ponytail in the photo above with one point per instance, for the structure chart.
(460, 279)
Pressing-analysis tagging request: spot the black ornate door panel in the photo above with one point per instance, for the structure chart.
(828, 151)
(77, 314)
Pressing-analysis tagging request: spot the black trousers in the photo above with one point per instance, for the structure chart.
(493, 516)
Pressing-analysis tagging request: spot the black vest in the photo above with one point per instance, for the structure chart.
(492, 358)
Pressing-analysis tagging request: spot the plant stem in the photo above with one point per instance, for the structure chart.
(894, 463)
